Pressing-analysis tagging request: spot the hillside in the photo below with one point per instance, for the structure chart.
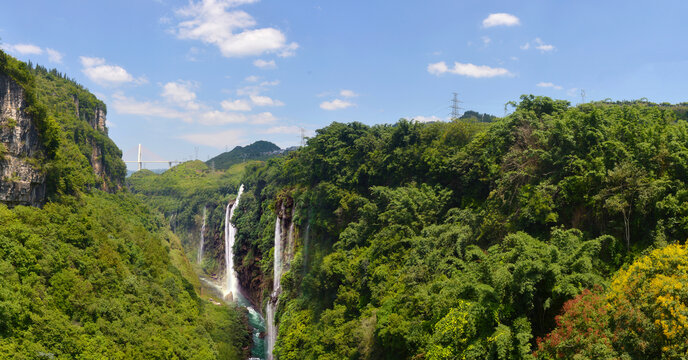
(259, 150)
(468, 240)
(182, 193)
(89, 271)
(444, 241)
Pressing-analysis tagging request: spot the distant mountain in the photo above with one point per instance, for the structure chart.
(259, 150)
(476, 116)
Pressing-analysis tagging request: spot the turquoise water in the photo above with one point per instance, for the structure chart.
(255, 320)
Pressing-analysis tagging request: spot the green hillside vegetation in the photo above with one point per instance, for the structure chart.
(68, 140)
(95, 275)
(259, 150)
(92, 278)
(465, 240)
(471, 115)
(58, 94)
(182, 192)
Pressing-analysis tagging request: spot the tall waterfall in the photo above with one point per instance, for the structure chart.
(277, 263)
(200, 247)
(283, 253)
(232, 283)
(271, 328)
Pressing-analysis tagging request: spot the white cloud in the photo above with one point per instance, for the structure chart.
(294, 130)
(260, 63)
(252, 78)
(180, 93)
(99, 72)
(216, 139)
(265, 101)
(548, 85)
(542, 46)
(129, 106)
(263, 118)
(335, 104)
(232, 31)
(216, 117)
(501, 19)
(486, 40)
(24, 49)
(236, 105)
(54, 55)
(30, 49)
(424, 119)
(348, 93)
(538, 44)
(470, 70)
(256, 89)
(289, 50)
(193, 53)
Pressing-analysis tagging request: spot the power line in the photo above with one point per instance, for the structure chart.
(455, 107)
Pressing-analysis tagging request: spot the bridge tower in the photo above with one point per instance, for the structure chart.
(139, 161)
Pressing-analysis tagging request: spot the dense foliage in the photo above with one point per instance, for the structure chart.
(464, 239)
(95, 275)
(98, 277)
(643, 315)
(471, 115)
(259, 150)
(181, 193)
(74, 108)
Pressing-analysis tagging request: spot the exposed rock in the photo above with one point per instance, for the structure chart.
(76, 104)
(97, 163)
(99, 121)
(21, 180)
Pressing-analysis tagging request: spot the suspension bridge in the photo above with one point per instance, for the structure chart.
(139, 159)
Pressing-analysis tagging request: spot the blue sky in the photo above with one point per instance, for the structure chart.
(212, 74)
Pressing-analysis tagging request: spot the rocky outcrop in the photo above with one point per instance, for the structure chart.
(98, 124)
(99, 121)
(21, 180)
(97, 164)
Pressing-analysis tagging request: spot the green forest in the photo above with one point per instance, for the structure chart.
(96, 274)
(557, 231)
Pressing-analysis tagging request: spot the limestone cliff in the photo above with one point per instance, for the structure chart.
(21, 180)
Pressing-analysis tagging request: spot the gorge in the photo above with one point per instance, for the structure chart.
(556, 231)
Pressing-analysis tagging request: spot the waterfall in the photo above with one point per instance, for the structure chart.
(271, 328)
(200, 248)
(277, 254)
(283, 253)
(232, 283)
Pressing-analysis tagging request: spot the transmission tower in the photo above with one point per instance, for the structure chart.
(303, 137)
(583, 96)
(455, 107)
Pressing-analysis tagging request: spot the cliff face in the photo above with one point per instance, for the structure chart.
(257, 285)
(96, 158)
(21, 180)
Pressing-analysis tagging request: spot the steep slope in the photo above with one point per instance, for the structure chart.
(22, 179)
(65, 139)
(437, 241)
(182, 194)
(259, 150)
(86, 273)
(466, 239)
